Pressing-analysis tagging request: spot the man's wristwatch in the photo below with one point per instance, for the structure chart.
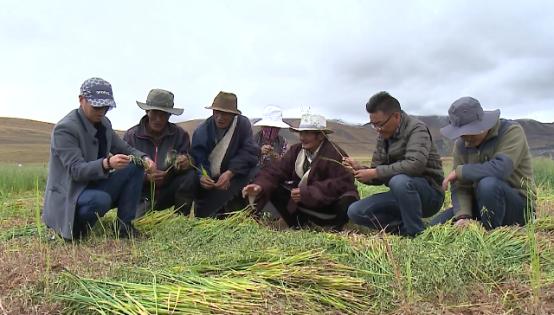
(108, 164)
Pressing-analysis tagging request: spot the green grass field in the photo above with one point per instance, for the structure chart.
(240, 266)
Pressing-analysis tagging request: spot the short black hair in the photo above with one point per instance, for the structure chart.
(382, 102)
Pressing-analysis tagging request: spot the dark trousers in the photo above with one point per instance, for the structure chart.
(121, 189)
(495, 204)
(178, 191)
(214, 202)
(401, 209)
(336, 211)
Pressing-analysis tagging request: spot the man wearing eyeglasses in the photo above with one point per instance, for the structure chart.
(406, 160)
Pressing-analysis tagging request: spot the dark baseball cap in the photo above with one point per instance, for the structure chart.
(98, 92)
(467, 117)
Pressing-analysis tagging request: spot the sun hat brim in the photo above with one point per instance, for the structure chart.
(272, 123)
(327, 131)
(490, 118)
(102, 103)
(173, 111)
(238, 112)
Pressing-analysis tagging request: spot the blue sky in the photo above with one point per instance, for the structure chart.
(330, 56)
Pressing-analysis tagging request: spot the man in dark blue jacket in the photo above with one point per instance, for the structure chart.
(223, 149)
(173, 183)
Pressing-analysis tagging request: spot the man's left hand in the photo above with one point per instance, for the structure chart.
(157, 176)
(295, 195)
(150, 165)
(224, 180)
(365, 175)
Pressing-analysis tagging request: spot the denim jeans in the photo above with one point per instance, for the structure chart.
(122, 189)
(495, 204)
(409, 199)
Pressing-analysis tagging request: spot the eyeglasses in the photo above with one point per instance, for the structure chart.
(101, 109)
(379, 126)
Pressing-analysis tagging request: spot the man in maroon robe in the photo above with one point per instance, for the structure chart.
(309, 184)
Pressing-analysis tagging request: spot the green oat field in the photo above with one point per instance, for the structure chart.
(242, 266)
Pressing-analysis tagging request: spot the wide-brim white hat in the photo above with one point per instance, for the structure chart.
(310, 122)
(272, 117)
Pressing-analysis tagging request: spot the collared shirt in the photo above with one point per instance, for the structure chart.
(310, 157)
(98, 130)
(102, 141)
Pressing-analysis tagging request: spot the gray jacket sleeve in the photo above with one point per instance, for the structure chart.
(120, 146)
(65, 146)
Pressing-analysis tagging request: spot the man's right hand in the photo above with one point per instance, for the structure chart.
(182, 162)
(461, 223)
(266, 149)
(206, 182)
(118, 161)
(251, 190)
(450, 178)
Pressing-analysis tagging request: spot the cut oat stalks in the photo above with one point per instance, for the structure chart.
(307, 277)
(138, 161)
(151, 219)
(301, 271)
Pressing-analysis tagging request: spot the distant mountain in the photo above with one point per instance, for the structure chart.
(28, 141)
(24, 141)
(359, 140)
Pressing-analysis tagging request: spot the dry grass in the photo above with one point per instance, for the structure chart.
(30, 266)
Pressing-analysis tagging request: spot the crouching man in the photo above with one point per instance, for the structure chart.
(309, 184)
(89, 171)
(492, 180)
(406, 160)
(224, 150)
(174, 183)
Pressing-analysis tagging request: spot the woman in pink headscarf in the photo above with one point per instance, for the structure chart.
(273, 146)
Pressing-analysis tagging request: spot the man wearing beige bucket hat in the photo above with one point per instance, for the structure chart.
(273, 145)
(309, 184)
(174, 182)
(224, 151)
(492, 176)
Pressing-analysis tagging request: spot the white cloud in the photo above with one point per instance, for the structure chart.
(328, 55)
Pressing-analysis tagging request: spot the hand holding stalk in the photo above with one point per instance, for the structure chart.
(251, 191)
(118, 161)
(146, 163)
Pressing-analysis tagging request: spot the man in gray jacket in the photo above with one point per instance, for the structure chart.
(406, 160)
(89, 170)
